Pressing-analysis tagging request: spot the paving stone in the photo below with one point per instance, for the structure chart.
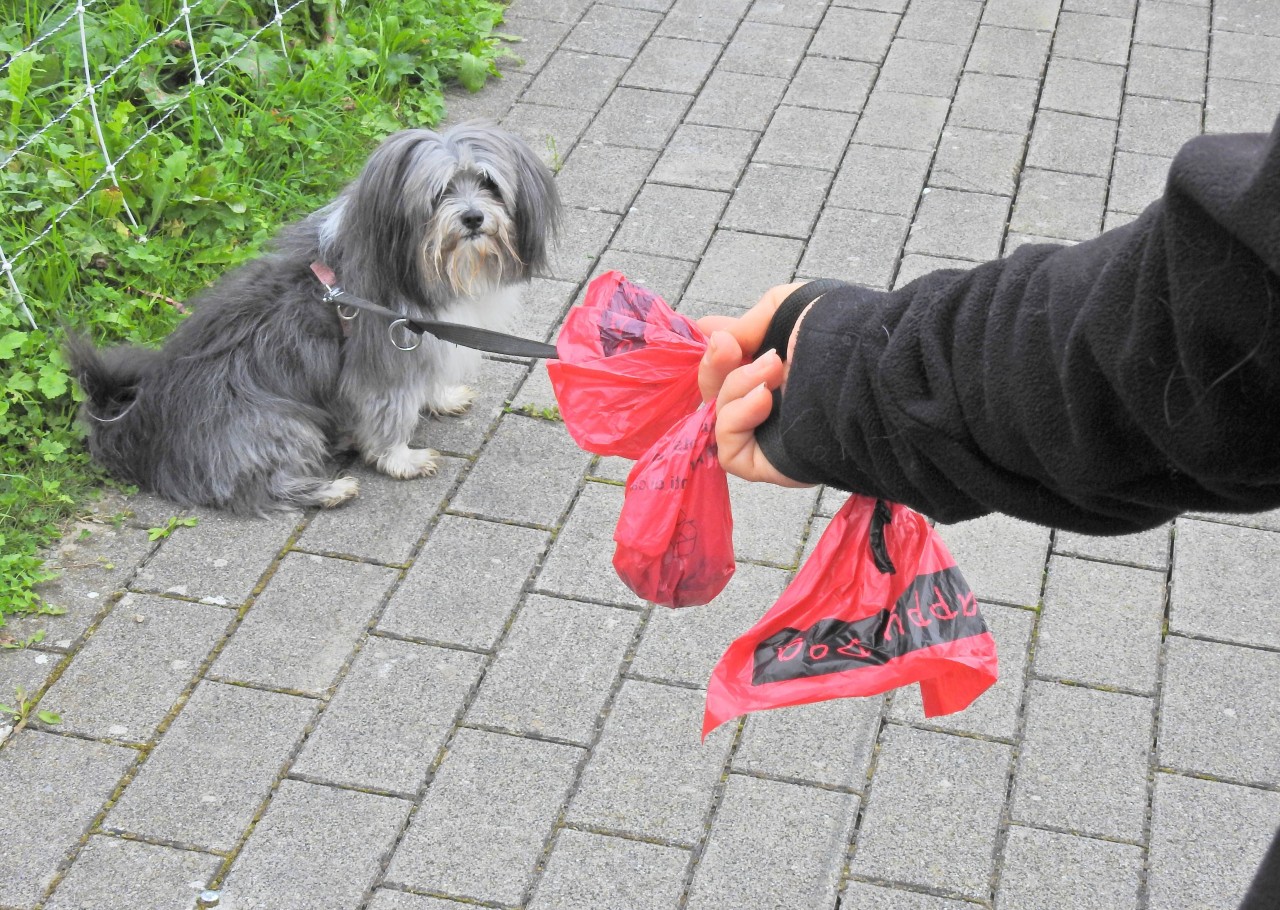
(1157, 126)
(901, 121)
(737, 100)
(44, 817)
(1240, 107)
(765, 49)
(612, 30)
(672, 65)
(1166, 72)
(800, 13)
(390, 717)
(806, 137)
(773, 845)
(883, 6)
(1029, 14)
(738, 268)
(914, 265)
(1121, 8)
(1072, 143)
(94, 562)
(580, 563)
(777, 200)
(832, 85)
(304, 626)
(551, 132)
(538, 39)
(545, 303)
(612, 467)
(1224, 583)
(110, 872)
(1101, 624)
(1002, 103)
(854, 34)
(603, 176)
(529, 472)
(465, 583)
(1046, 869)
(1264, 521)
(876, 897)
(123, 682)
(922, 67)
(1219, 715)
(386, 899)
(943, 793)
(316, 846)
(221, 558)
(671, 221)
(959, 225)
(1148, 548)
(555, 670)
(555, 10)
(943, 21)
(1172, 25)
(25, 669)
(995, 713)
(664, 276)
(465, 434)
(388, 518)
(704, 157)
(827, 742)
(1083, 763)
(643, 119)
(609, 873)
(1249, 16)
(978, 161)
(1137, 181)
(461, 105)
(1054, 204)
(769, 520)
(1015, 240)
(1008, 52)
(684, 20)
(860, 247)
(684, 645)
(1102, 39)
(1113, 220)
(649, 775)
(487, 814)
(878, 179)
(205, 781)
(1001, 558)
(583, 237)
(574, 79)
(1081, 87)
(1207, 840)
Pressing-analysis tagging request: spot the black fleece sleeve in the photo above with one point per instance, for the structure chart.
(1103, 387)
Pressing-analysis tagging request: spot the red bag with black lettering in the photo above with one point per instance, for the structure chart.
(880, 604)
(675, 533)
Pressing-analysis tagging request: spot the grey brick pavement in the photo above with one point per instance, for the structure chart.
(440, 697)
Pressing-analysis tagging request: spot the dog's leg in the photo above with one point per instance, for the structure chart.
(383, 425)
(452, 401)
(335, 493)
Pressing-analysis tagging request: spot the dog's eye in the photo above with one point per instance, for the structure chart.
(487, 182)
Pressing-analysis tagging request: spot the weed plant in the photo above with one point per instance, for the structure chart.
(278, 119)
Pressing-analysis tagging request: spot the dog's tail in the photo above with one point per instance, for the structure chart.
(109, 377)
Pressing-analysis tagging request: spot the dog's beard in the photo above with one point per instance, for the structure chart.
(470, 262)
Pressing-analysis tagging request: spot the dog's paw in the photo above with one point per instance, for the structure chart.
(405, 463)
(334, 494)
(453, 401)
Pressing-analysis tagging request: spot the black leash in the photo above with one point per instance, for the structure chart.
(465, 335)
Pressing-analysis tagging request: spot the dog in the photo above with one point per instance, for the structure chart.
(246, 403)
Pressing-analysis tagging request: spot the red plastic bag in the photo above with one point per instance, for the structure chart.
(628, 368)
(675, 533)
(880, 604)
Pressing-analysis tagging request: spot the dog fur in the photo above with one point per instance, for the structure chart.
(245, 403)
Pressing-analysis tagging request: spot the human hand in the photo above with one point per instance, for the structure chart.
(743, 387)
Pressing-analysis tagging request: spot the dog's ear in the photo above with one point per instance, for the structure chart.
(537, 205)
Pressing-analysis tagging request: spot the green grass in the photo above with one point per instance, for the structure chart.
(270, 135)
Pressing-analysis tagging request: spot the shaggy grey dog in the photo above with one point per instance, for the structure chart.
(246, 401)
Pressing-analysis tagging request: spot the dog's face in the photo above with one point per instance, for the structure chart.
(446, 215)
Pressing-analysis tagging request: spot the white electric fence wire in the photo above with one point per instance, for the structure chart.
(90, 93)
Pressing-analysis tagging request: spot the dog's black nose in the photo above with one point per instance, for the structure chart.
(472, 219)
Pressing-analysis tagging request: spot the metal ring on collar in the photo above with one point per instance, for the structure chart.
(342, 312)
(391, 333)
